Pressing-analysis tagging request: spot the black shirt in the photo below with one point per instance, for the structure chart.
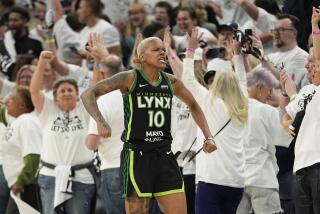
(27, 45)
(147, 110)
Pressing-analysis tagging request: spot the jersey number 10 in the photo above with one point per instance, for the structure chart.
(156, 119)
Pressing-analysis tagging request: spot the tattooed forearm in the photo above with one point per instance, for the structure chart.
(89, 101)
(89, 97)
(115, 82)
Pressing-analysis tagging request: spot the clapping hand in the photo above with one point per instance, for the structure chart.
(287, 83)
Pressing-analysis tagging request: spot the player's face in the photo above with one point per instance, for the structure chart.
(155, 54)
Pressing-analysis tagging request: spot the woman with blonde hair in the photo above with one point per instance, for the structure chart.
(220, 175)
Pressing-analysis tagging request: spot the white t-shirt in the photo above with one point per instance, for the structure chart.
(7, 88)
(307, 147)
(64, 139)
(264, 133)
(65, 38)
(111, 107)
(184, 128)
(231, 12)
(294, 62)
(3, 129)
(2, 132)
(110, 34)
(23, 137)
(81, 75)
(184, 132)
(226, 165)
(297, 104)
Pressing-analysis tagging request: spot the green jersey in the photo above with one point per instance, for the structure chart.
(147, 110)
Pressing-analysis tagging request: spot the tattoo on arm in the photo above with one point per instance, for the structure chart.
(89, 97)
(110, 84)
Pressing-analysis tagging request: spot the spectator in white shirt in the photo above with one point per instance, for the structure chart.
(65, 124)
(89, 13)
(289, 56)
(21, 149)
(307, 159)
(109, 148)
(221, 174)
(261, 193)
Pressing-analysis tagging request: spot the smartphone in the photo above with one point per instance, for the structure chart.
(215, 53)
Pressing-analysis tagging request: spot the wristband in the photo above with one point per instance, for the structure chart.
(192, 50)
(316, 33)
(49, 41)
(293, 97)
(208, 138)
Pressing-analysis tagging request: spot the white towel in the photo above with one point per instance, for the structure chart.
(23, 207)
(63, 184)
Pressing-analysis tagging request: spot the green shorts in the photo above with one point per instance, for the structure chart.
(151, 174)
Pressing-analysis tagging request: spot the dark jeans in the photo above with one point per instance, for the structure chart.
(80, 203)
(307, 190)
(286, 186)
(190, 189)
(111, 190)
(4, 192)
(217, 199)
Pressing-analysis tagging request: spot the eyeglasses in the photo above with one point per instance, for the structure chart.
(281, 30)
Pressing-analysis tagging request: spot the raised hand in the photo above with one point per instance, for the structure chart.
(167, 39)
(96, 48)
(315, 18)
(288, 83)
(46, 56)
(193, 39)
(139, 38)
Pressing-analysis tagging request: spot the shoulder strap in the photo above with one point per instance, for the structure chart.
(224, 126)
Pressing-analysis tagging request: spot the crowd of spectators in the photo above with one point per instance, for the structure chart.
(253, 66)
